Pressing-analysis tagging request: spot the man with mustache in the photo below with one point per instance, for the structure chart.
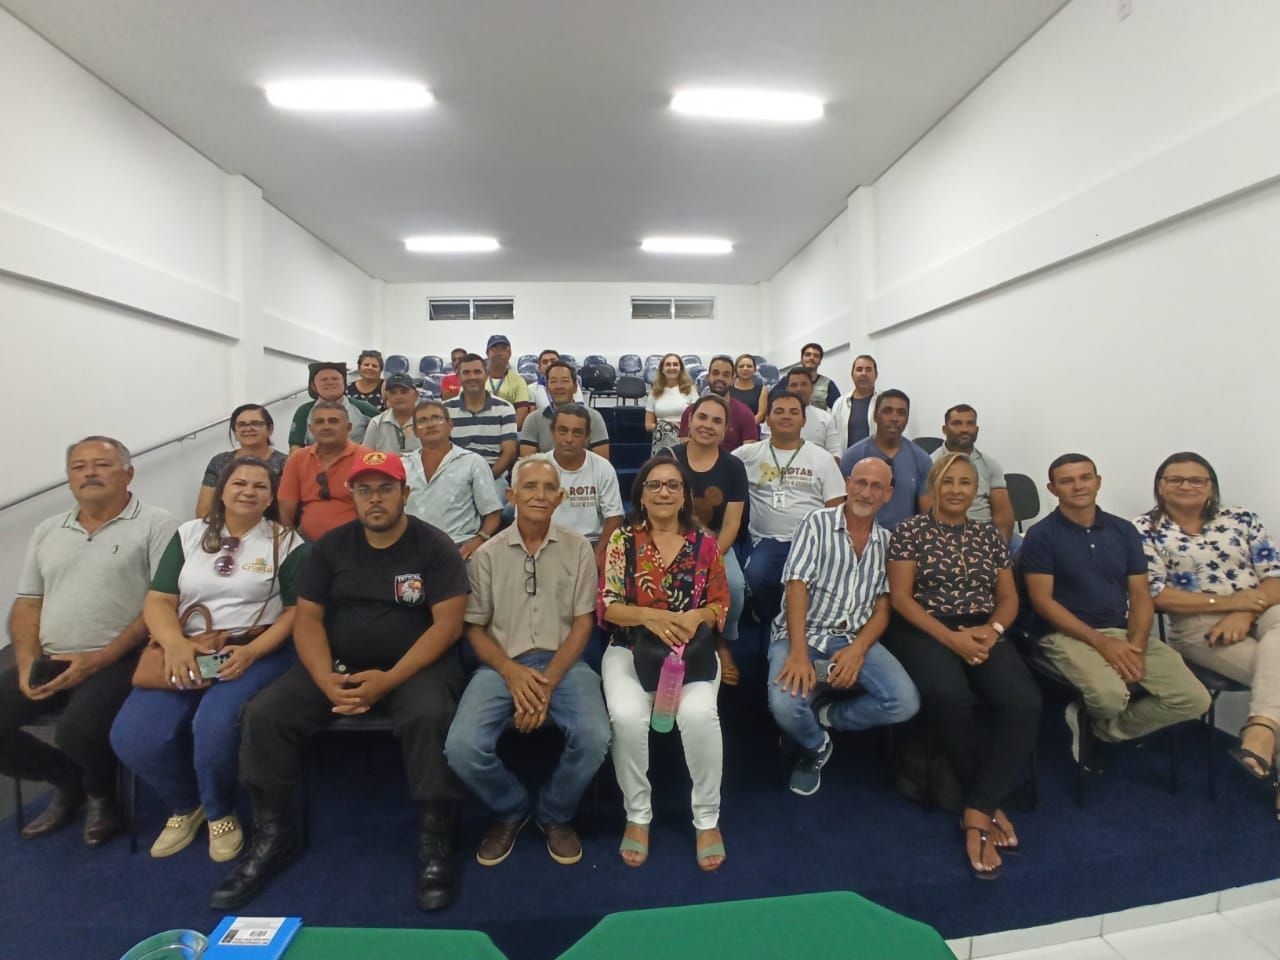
(77, 627)
(837, 606)
(378, 617)
(741, 426)
(313, 494)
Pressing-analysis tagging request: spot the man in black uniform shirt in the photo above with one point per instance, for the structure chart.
(383, 597)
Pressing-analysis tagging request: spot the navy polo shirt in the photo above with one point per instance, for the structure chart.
(1090, 566)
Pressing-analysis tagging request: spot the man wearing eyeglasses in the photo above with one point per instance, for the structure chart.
(529, 618)
(592, 504)
(1086, 576)
(76, 627)
(379, 613)
(313, 493)
(450, 488)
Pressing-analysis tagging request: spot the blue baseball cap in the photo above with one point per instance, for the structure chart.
(498, 339)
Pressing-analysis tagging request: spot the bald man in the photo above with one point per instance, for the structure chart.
(824, 639)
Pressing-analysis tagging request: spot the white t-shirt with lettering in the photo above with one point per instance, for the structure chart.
(591, 496)
(783, 492)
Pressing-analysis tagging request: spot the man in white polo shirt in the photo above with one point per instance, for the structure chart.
(450, 488)
(76, 627)
(787, 477)
(592, 504)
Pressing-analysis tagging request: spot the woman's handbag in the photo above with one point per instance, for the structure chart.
(150, 674)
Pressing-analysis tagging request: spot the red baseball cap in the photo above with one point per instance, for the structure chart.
(389, 465)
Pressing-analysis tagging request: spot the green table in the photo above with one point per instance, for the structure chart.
(354, 943)
(816, 926)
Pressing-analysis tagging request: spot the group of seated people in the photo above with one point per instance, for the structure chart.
(342, 578)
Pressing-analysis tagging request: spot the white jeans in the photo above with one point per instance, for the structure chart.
(699, 721)
(1254, 661)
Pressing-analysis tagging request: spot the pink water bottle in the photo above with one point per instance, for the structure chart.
(670, 683)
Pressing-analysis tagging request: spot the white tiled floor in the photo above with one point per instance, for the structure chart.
(1248, 928)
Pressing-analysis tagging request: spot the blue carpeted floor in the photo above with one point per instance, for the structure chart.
(1132, 844)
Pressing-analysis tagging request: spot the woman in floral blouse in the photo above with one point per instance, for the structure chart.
(953, 595)
(664, 579)
(1216, 574)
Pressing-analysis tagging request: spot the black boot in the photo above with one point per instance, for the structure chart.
(437, 849)
(62, 810)
(276, 843)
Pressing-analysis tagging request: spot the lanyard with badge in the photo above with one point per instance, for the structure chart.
(780, 494)
(496, 385)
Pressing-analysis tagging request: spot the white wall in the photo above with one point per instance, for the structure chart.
(1084, 249)
(143, 291)
(577, 318)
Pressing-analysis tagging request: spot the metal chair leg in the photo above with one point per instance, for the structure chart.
(1210, 724)
(19, 817)
(1173, 757)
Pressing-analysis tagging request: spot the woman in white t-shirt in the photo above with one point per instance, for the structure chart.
(240, 565)
(673, 390)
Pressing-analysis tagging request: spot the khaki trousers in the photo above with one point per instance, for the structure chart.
(1174, 694)
(1254, 661)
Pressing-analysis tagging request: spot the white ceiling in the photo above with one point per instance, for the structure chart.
(550, 129)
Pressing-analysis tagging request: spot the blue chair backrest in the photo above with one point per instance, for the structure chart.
(692, 359)
(396, 363)
(569, 358)
(695, 370)
(758, 359)
(769, 373)
(701, 382)
(631, 388)
(530, 377)
(430, 364)
(528, 366)
(630, 363)
(653, 359)
(650, 375)
(526, 358)
(594, 360)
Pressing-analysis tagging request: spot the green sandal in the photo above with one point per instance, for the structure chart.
(631, 845)
(710, 850)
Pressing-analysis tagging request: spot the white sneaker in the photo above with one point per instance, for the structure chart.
(226, 839)
(179, 830)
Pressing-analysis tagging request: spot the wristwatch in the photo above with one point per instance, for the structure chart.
(484, 536)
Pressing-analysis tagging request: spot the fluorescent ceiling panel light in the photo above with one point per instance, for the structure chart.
(349, 96)
(685, 245)
(766, 105)
(451, 244)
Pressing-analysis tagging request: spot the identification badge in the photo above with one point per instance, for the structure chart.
(779, 499)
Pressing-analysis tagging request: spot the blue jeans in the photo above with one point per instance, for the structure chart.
(486, 710)
(737, 593)
(763, 574)
(186, 743)
(887, 696)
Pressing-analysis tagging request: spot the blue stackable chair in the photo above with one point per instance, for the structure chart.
(396, 363)
(769, 373)
(594, 360)
(692, 360)
(430, 364)
(630, 364)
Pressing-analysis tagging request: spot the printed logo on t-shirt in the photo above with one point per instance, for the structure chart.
(792, 476)
(409, 589)
(583, 495)
(705, 506)
(258, 565)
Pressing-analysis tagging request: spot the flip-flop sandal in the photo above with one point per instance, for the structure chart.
(982, 851)
(631, 845)
(1242, 755)
(710, 850)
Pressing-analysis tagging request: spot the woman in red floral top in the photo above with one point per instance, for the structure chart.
(664, 578)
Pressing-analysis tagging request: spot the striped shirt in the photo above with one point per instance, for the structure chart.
(483, 432)
(843, 588)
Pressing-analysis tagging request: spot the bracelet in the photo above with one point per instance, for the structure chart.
(484, 536)
(997, 627)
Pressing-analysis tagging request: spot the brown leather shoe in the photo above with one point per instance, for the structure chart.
(101, 820)
(562, 842)
(499, 840)
(61, 811)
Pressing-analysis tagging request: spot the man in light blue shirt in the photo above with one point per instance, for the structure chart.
(909, 463)
(450, 488)
(824, 639)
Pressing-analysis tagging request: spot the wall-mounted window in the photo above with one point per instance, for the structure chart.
(673, 308)
(471, 308)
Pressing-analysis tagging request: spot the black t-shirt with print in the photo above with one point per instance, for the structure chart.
(378, 602)
(724, 483)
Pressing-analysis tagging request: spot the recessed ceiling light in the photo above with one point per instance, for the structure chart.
(450, 244)
(685, 245)
(349, 96)
(768, 105)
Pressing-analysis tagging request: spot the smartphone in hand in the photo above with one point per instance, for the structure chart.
(45, 669)
(210, 663)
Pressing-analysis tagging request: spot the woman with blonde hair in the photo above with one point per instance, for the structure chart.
(952, 591)
(673, 390)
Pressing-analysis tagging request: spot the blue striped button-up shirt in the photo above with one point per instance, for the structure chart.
(843, 588)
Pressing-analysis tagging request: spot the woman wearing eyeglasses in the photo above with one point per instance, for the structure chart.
(368, 384)
(952, 591)
(1215, 573)
(251, 428)
(664, 590)
(240, 565)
